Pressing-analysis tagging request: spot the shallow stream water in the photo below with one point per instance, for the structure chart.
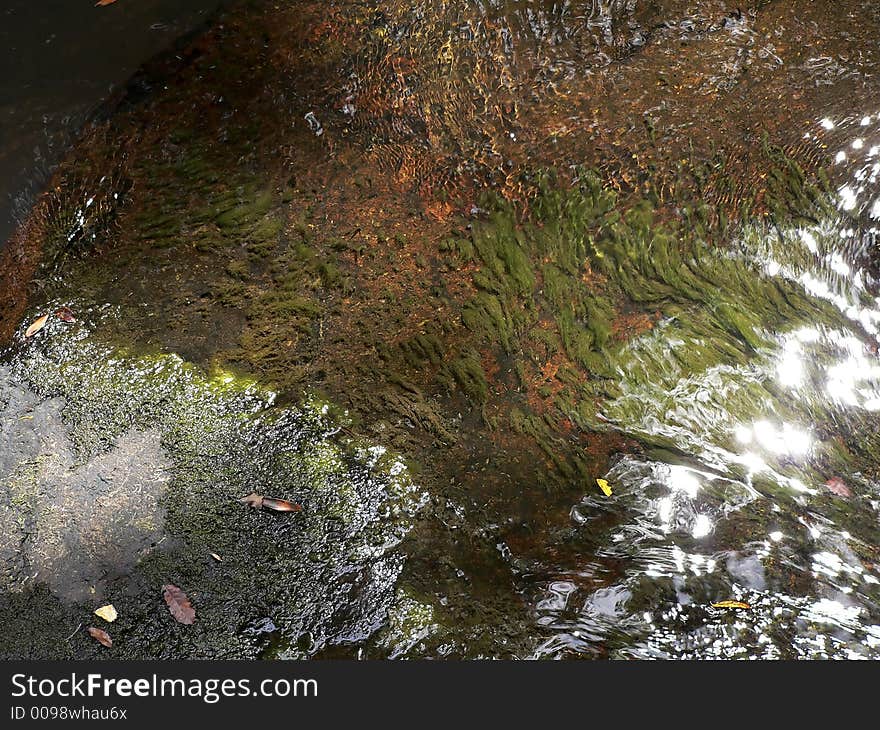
(297, 286)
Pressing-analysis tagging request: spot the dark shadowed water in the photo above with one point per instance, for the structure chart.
(60, 60)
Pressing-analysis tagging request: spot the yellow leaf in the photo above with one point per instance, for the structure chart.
(604, 486)
(108, 613)
(731, 604)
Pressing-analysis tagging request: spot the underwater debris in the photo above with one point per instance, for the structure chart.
(65, 314)
(732, 604)
(837, 486)
(253, 500)
(314, 124)
(281, 505)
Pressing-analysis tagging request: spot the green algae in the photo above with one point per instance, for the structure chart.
(487, 314)
(409, 623)
(224, 439)
(423, 349)
(556, 281)
(583, 263)
(463, 248)
(231, 214)
(467, 373)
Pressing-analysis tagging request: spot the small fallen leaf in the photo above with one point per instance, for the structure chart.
(65, 314)
(604, 486)
(36, 326)
(178, 604)
(837, 486)
(731, 604)
(253, 499)
(216, 557)
(101, 3)
(101, 636)
(281, 505)
(108, 613)
(258, 501)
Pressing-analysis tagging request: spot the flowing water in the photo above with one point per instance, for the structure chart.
(291, 280)
(762, 485)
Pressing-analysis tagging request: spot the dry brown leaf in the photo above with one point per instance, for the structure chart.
(101, 3)
(65, 314)
(253, 499)
(178, 604)
(281, 505)
(258, 501)
(36, 326)
(101, 636)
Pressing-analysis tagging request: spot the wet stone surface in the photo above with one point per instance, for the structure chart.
(107, 455)
(74, 526)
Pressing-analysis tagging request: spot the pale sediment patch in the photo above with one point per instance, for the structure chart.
(73, 524)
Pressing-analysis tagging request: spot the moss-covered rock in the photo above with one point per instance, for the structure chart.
(209, 438)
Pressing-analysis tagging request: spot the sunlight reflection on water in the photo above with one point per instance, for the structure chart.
(744, 516)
